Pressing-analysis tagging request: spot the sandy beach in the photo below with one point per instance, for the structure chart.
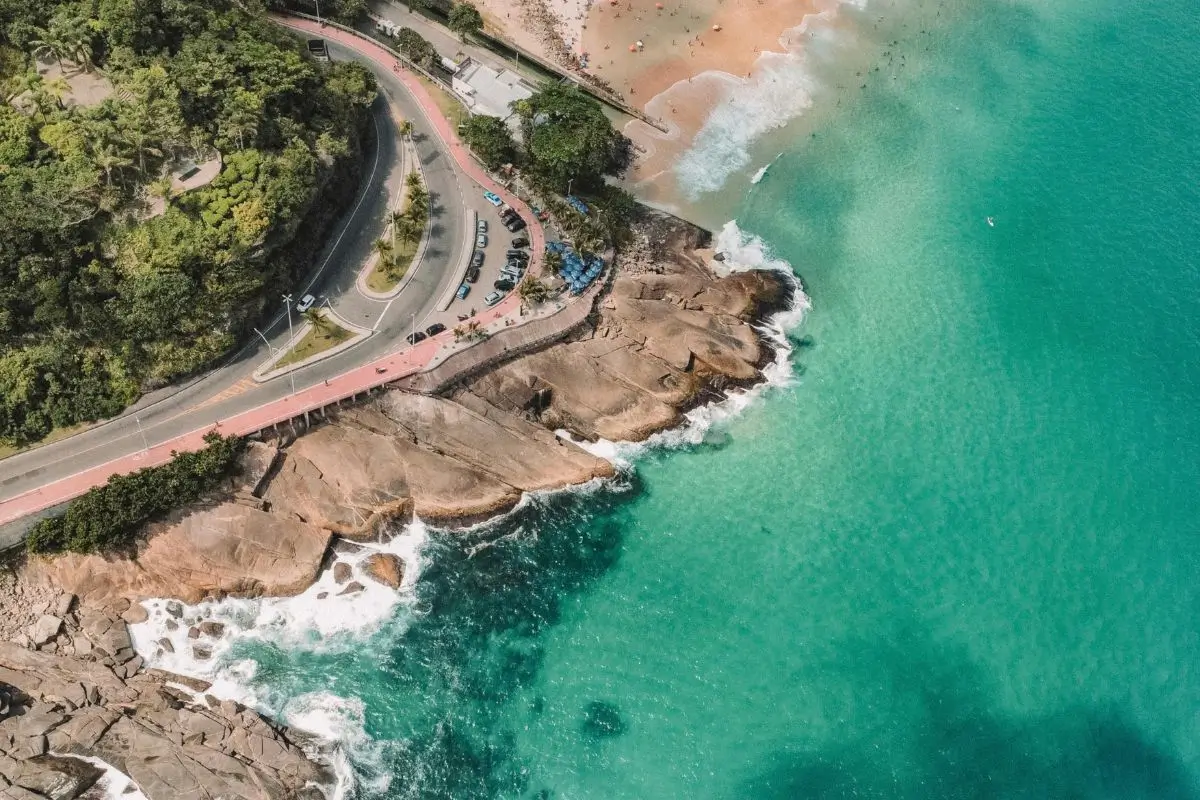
(685, 66)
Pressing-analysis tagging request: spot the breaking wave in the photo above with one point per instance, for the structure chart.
(779, 89)
(319, 619)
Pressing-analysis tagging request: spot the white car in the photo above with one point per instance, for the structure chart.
(493, 298)
(481, 241)
(481, 226)
(305, 303)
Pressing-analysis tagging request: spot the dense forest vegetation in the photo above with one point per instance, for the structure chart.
(99, 300)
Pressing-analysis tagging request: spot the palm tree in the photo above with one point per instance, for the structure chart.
(51, 43)
(161, 187)
(533, 290)
(316, 317)
(383, 247)
(142, 145)
(109, 159)
(406, 129)
(407, 230)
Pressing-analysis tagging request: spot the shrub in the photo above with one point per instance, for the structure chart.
(109, 517)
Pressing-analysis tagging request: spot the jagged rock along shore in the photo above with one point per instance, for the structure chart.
(666, 336)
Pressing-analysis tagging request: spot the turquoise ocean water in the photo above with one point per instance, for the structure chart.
(956, 558)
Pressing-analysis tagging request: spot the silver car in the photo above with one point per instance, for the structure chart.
(481, 241)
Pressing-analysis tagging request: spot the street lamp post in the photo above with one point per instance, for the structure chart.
(270, 349)
(287, 303)
(414, 329)
(145, 444)
(318, 11)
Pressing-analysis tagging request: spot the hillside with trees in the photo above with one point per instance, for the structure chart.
(111, 281)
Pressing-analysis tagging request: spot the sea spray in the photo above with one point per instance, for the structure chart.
(340, 722)
(309, 621)
(343, 623)
(740, 252)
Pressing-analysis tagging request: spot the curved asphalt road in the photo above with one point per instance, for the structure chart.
(230, 390)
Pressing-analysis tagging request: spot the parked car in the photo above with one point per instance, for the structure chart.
(494, 199)
(463, 291)
(472, 274)
(493, 298)
(507, 213)
(515, 225)
(521, 254)
(515, 266)
(415, 336)
(508, 275)
(481, 226)
(521, 241)
(504, 284)
(305, 303)
(318, 49)
(481, 241)
(477, 259)
(435, 329)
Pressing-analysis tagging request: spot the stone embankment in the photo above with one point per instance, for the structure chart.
(667, 336)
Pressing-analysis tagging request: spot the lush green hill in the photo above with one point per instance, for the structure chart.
(99, 302)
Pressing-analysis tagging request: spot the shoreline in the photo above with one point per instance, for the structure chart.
(363, 566)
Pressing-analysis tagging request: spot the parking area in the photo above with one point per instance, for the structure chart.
(493, 259)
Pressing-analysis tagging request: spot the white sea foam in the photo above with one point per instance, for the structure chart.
(339, 723)
(762, 172)
(300, 622)
(779, 89)
(113, 784)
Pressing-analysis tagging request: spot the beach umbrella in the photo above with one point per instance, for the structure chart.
(659, 6)
(716, 27)
(633, 48)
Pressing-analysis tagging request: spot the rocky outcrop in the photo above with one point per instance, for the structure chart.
(424, 455)
(228, 548)
(83, 692)
(384, 568)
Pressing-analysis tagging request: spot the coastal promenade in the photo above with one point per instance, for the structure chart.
(403, 362)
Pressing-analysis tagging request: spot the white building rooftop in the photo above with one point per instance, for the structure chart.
(487, 91)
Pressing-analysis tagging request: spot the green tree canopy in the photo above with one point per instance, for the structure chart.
(464, 19)
(99, 298)
(415, 47)
(569, 141)
(491, 140)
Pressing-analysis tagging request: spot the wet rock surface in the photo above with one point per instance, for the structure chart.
(83, 692)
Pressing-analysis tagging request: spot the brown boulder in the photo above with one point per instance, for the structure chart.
(341, 572)
(224, 549)
(212, 628)
(385, 568)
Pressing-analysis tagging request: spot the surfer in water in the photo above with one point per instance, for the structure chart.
(991, 221)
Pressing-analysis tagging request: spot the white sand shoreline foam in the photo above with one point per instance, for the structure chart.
(338, 622)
